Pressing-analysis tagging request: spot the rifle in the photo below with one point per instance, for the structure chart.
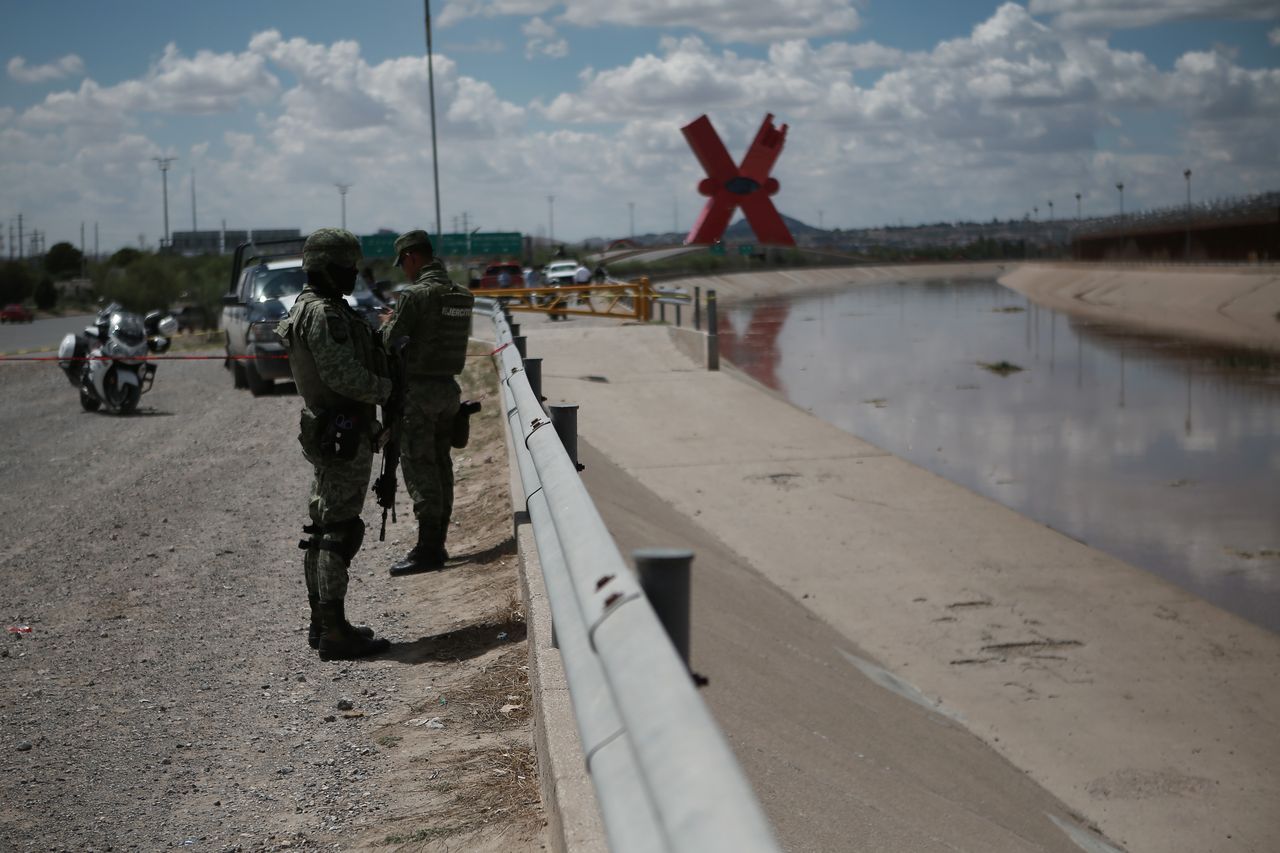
(389, 442)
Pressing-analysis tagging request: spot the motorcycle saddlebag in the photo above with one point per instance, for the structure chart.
(71, 353)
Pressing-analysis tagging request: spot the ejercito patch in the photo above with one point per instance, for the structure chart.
(455, 312)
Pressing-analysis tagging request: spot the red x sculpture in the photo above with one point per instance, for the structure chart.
(747, 186)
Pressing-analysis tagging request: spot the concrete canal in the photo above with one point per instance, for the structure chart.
(1162, 452)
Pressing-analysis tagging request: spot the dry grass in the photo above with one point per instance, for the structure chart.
(493, 788)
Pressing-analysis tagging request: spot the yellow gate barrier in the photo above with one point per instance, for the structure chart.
(629, 300)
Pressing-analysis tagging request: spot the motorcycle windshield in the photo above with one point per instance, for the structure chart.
(128, 329)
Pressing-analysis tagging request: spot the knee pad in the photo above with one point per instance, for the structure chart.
(344, 538)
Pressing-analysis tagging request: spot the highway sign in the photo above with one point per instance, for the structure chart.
(378, 245)
(482, 244)
(746, 249)
(716, 248)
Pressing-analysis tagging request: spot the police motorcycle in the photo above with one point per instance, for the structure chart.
(108, 360)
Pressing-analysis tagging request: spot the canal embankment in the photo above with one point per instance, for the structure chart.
(1230, 306)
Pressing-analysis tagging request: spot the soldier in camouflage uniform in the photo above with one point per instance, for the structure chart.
(435, 314)
(341, 373)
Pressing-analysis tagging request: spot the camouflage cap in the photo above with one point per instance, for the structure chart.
(416, 239)
(330, 246)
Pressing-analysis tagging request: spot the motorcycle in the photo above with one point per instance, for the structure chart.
(108, 361)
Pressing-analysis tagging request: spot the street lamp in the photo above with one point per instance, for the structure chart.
(163, 163)
(1077, 209)
(551, 219)
(1186, 252)
(1120, 187)
(342, 191)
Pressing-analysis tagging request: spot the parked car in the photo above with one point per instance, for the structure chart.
(266, 279)
(557, 273)
(16, 313)
(493, 274)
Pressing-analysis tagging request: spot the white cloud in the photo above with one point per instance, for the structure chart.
(1274, 37)
(1121, 14)
(755, 21)
(543, 40)
(204, 84)
(67, 66)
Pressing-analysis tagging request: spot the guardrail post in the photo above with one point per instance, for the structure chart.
(713, 333)
(697, 309)
(564, 417)
(533, 371)
(522, 344)
(515, 327)
(664, 576)
(662, 311)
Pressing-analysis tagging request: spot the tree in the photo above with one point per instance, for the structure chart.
(124, 257)
(63, 261)
(46, 294)
(15, 282)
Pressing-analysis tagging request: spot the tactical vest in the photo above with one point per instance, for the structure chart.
(439, 342)
(341, 318)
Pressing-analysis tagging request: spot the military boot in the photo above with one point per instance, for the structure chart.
(428, 554)
(317, 624)
(340, 640)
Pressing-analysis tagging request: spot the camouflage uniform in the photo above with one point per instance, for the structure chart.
(341, 373)
(435, 314)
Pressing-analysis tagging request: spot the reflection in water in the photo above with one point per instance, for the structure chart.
(1161, 452)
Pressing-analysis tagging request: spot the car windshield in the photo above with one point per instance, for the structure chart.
(276, 283)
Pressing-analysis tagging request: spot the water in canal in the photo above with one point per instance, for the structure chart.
(1161, 452)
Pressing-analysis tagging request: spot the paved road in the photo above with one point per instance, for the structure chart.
(43, 334)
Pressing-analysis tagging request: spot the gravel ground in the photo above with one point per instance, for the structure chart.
(165, 695)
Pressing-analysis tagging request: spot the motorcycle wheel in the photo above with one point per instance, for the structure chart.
(89, 403)
(122, 397)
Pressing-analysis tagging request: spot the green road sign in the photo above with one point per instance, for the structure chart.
(378, 245)
(483, 244)
(509, 243)
(716, 248)
(746, 249)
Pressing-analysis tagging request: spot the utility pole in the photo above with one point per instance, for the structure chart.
(193, 203)
(631, 208)
(163, 163)
(20, 250)
(95, 241)
(342, 191)
(431, 91)
(1186, 252)
(1077, 210)
(551, 219)
(83, 258)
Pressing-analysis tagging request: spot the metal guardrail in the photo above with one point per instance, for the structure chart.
(664, 775)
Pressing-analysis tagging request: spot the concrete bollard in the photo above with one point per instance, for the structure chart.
(564, 417)
(533, 371)
(713, 333)
(664, 576)
(697, 309)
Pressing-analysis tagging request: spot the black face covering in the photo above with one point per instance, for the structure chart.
(343, 278)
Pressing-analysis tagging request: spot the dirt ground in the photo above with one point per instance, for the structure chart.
(165, 695)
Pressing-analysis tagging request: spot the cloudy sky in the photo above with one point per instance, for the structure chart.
(910, 111)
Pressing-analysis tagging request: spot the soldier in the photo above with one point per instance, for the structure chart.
(435, 314)
(341, 373)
